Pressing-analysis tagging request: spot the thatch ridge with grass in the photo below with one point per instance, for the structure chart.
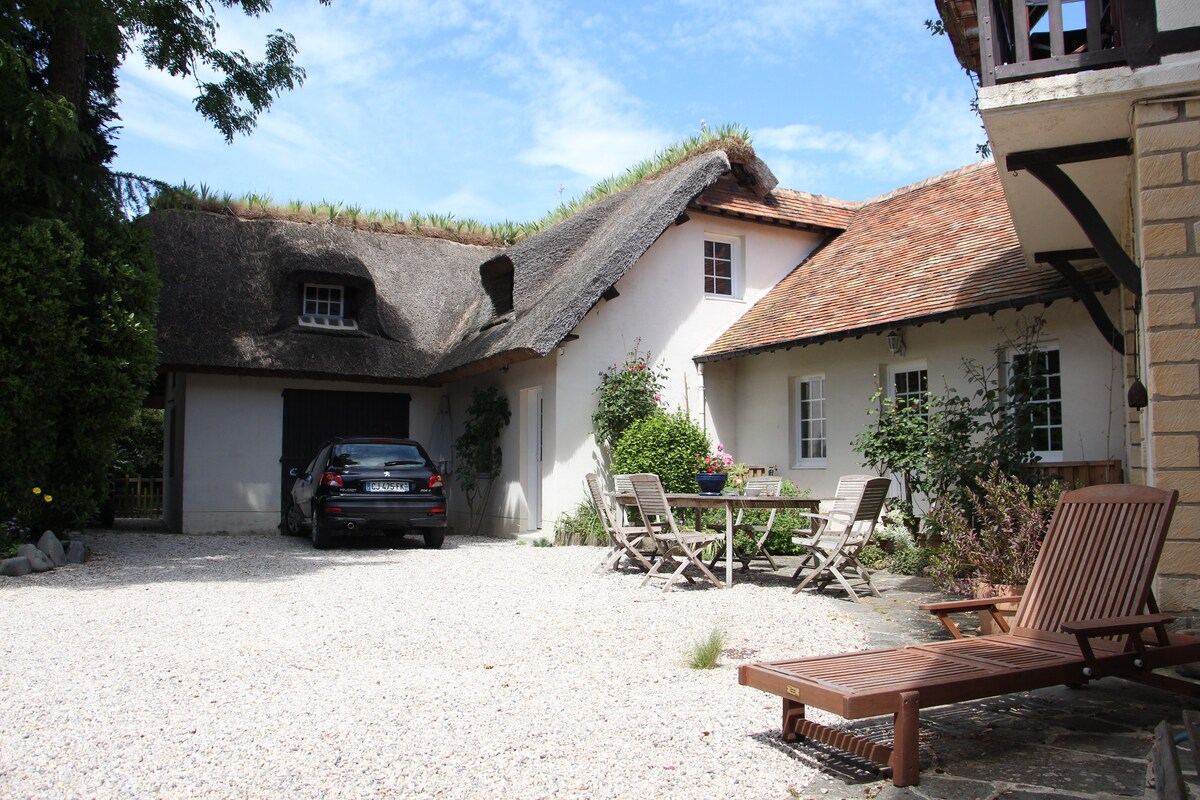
(733, 140)
(232, 281)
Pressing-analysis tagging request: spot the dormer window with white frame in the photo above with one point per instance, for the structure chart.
(722, 266)
(324, 306)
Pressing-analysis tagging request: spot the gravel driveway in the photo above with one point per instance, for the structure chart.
(253, 666)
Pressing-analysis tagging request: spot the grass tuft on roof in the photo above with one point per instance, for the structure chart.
(733, 139)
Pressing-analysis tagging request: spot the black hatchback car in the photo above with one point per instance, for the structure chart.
(387, 485)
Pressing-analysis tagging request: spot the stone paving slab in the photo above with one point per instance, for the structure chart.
(1050, 744)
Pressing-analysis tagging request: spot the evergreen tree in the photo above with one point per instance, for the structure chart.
(78, 284)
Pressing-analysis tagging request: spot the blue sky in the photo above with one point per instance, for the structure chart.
(497, 110)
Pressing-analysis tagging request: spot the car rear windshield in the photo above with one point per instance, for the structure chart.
(376, 454)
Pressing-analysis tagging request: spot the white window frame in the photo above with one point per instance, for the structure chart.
(799, 418)
(1048, 455)
(902, 367)
(335, 316)
(736, 263)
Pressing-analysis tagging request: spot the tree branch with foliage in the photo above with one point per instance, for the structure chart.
(77, 332)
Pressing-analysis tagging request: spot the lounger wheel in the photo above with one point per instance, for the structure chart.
(434, 539)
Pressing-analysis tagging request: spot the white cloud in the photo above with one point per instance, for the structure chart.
(939, 133)
(760, 29)
(587, 123)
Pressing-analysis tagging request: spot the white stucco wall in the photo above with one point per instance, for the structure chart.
(755, 391)
(1176, 14)
(507, 510)
(662, 304)
(233, 434)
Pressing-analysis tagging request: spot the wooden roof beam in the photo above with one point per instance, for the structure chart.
(1061, 262)
(1046, 166)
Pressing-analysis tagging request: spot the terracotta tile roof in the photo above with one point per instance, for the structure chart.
(781, 206)
(939, 249)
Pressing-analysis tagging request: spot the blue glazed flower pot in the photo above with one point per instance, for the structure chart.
(711, 482)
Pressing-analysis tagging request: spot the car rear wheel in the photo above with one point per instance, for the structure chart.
(434, 539)
(321, 537)
(293, 520)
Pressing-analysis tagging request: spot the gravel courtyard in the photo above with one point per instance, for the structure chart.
(254, 666)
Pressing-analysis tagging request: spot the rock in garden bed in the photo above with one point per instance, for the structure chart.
(47, 554)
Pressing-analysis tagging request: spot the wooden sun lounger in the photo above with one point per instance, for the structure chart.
(1083, 617)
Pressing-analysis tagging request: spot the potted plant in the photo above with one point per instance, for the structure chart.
(991, 552)
(712, 470)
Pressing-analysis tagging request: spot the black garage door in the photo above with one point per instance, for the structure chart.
(311, 418)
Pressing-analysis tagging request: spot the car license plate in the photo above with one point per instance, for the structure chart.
(387, 486)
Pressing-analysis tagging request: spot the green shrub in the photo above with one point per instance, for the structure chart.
(874, 557)
(477, 449)
(139, 448)
(911, 560)
(894, 532)
(665, 444)
(581, 526)
(77, 345)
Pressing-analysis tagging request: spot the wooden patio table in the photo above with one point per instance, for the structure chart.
(730, 502)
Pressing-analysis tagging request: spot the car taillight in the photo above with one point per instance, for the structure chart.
(437, 510)
(332, 479)
(435, 481)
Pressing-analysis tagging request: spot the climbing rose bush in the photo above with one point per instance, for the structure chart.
(627, 393)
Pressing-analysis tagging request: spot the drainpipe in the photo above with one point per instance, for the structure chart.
(703, 397)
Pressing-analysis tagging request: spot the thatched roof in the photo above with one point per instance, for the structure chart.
(562, 272)
(231, 287)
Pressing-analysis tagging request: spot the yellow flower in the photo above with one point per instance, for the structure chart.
(37, 490)
(48, 498)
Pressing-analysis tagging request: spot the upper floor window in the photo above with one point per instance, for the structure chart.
(722, 266)
(1036, 380)
(809, 415)
(324, 306)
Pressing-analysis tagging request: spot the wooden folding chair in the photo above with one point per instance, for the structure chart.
(679, 548)
(623, 540)
(622, 487)
(833, 551)
(757, 549)
(1087, 613)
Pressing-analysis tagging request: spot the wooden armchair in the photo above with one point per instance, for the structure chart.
(678, 548)
(623, 540)
(832, 552)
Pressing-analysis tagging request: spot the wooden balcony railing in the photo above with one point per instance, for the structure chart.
(1014, 45)
(1077, 474)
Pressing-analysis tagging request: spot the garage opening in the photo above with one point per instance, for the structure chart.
(312, 417)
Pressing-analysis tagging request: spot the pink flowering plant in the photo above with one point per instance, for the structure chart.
(627, 393)
(717, 463)
(998, 541)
